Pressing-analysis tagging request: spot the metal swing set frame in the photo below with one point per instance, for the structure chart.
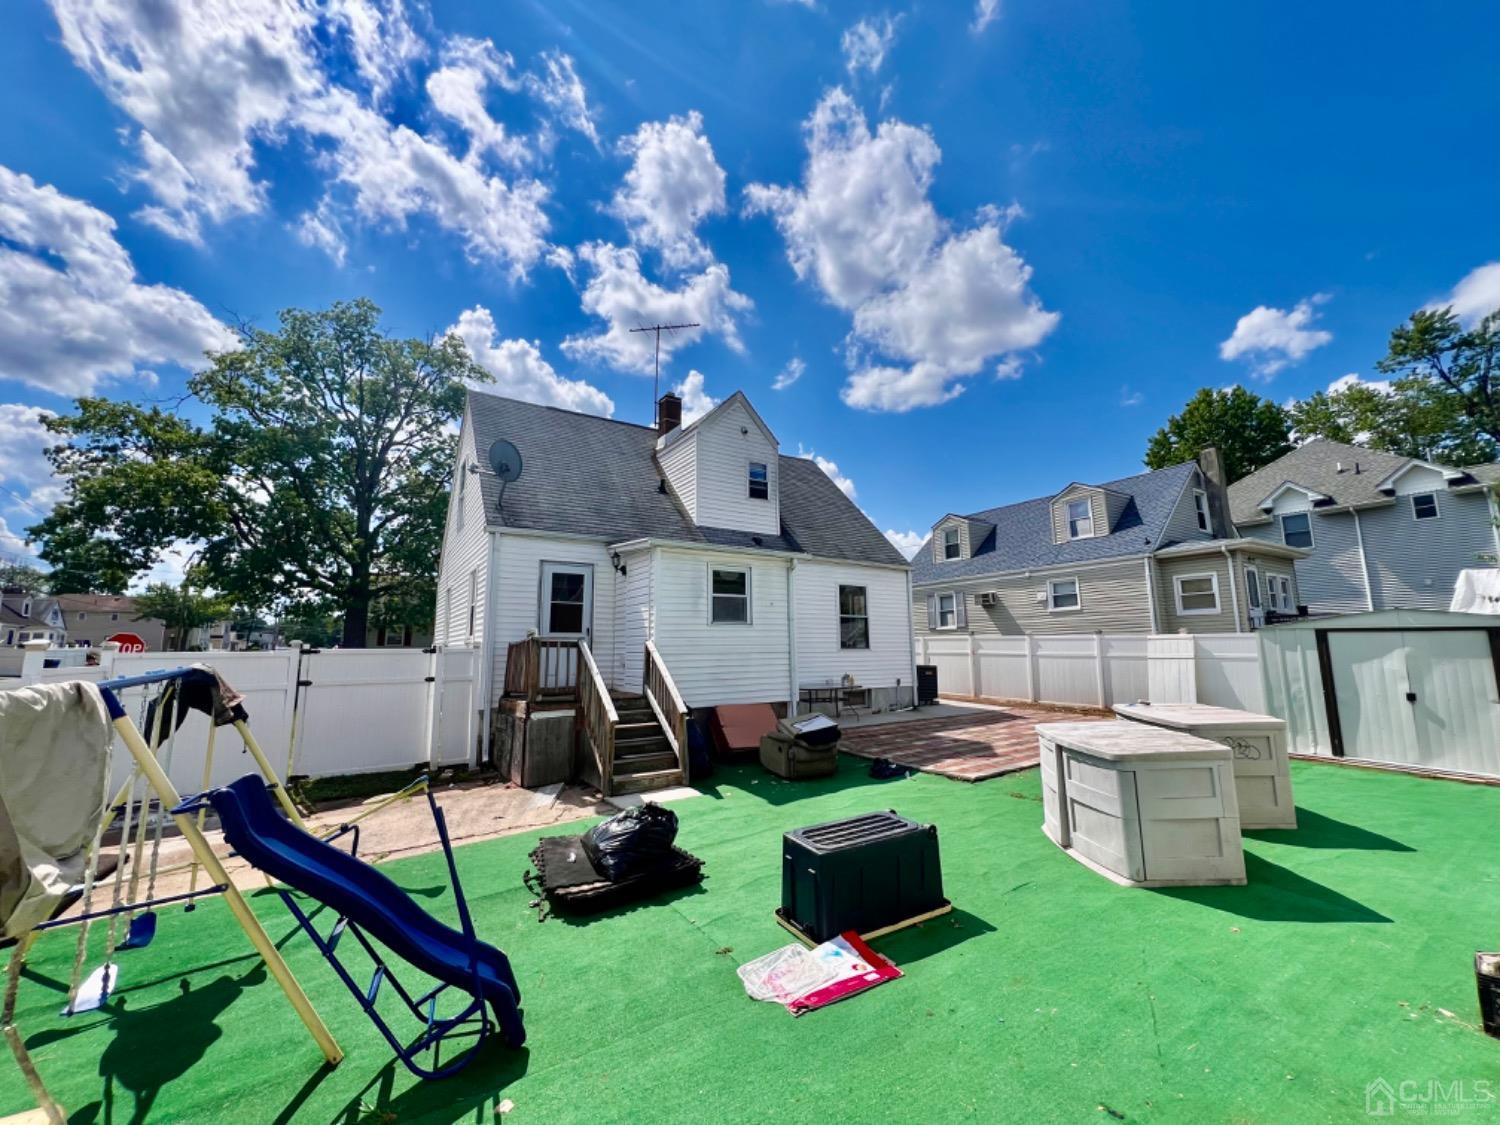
(169, 802)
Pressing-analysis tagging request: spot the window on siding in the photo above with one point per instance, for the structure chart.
(947, 612)
(760, 481)
(473, 599)
(952, 548)
(1200, 505)
(854, 617)
(731, 597)
(1296, 529)
(1281, 593)
(394, 637)
(1197, 593)
(1424, 506)
(1062, 593)
(82, 616)
(1080, 519)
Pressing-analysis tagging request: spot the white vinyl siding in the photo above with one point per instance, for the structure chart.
(632, 619)
(819, 657)
(518, 570)
(466, 547)
(714, 664)
(708, 468)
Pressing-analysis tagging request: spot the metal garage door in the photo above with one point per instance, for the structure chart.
(1420, 697)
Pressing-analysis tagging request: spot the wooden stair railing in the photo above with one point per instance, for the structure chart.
(538, 666)
(597, 716)
(661, 692)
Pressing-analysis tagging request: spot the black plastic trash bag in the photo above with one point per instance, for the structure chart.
(632, 842)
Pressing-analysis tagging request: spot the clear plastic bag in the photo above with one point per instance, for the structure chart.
(785, 974)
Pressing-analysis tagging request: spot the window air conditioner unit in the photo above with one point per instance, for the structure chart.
(987, 598)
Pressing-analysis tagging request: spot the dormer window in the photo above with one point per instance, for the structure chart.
(26, 608)
(1200, 505)
(760, 481)
(1080, 519)
(952, 548)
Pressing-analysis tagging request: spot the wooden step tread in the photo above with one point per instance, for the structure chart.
(642, 782)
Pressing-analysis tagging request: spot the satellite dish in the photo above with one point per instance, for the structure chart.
(505, 460)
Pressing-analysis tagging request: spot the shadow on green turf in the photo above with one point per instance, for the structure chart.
(1314, 830)
(917, 943)
(150, 1047)
(472, 1094)
(753, 781)
(1274, 894)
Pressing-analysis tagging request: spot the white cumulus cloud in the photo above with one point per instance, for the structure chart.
(907, 542)
(986, 12)
(794, 369)
(931, 306)
(519, 369)
(696, 401)
(618, 293)
(207, 83)
(1271, 339)
(673, 184)
(830, 470)
(1353, 379)
(867, 43)
(72, 310)
(1477, 295)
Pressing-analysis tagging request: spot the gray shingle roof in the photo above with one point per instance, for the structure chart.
(1315, 466)
(1022, 538)
(586, 475)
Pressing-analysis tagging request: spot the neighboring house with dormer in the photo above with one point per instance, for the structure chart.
(92, 619)
(1151, 553)
(26, 617)
(1379, 531)
(670, 568)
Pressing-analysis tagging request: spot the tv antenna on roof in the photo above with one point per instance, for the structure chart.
(659, 329)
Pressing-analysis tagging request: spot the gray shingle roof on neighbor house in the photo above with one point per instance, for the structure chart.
(1023, 536)
(1327, 467)
(586, 475)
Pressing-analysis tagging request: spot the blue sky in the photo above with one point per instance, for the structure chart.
(966, 253)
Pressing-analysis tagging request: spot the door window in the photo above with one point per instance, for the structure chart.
(565, 602)
(1252, 585)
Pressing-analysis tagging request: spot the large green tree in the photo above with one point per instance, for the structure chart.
(1248, 431)
(1416, 417)
(319, 480)
(1461, 366)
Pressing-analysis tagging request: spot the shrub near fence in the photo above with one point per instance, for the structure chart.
(1100, 669)
(356, 710)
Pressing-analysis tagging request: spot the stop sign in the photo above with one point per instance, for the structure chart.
(128, 642)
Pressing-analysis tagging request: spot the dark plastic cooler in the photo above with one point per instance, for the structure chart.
(869, 873)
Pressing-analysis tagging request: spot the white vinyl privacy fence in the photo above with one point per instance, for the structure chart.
(1100, 669)
(315, 712)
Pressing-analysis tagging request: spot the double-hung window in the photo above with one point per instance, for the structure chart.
(730, 596)
(1197, 593)
(1080, 519)
(1062, 594)
(1424, 506)
(1296, 529)
(947, 612)
(760, 481)
(854, 617)
(952, 548)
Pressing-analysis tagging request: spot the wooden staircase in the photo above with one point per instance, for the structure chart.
(632, 743)
(644, 758)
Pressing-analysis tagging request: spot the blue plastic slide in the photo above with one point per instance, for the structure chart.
(368, 901)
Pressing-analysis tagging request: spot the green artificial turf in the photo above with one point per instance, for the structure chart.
(1049, 995)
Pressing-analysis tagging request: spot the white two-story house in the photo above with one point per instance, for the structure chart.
(662, 570)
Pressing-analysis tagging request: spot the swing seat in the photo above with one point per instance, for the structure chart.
(369, 902)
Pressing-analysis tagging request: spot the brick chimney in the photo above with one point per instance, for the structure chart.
(1212, 466)
(668, 413)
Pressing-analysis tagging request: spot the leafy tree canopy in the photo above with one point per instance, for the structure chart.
(181, 609)
(28, 578)
(1417, 417)
(1248, 431)
(321, 478)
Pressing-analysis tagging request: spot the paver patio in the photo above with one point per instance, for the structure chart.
(971, 747)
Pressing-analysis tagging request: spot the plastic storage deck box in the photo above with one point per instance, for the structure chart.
(871, 874)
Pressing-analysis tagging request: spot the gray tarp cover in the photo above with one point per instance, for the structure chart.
(55, 743)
